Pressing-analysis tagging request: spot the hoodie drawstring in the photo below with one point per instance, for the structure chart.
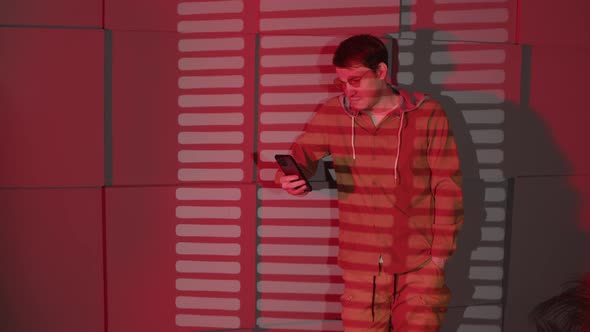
(399, 135)
(373, 298)
(352, 137)
(399, 146)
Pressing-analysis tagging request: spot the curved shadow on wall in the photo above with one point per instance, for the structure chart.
(469, 238)
(539, 203)
(530, 154)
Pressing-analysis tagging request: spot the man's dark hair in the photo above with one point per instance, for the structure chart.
(568, 311)
(363, 49)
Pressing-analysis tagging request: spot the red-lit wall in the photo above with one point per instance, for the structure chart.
(137, 143)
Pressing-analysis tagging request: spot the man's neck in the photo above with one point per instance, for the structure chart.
(386, 104)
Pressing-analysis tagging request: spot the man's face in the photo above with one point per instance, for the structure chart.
(361, 86)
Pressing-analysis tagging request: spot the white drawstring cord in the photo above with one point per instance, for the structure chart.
(399, 145)
(352, 138)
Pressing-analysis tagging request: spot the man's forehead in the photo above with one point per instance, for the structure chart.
(351, 71)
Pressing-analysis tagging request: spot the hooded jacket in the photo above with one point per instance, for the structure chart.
(399, 183)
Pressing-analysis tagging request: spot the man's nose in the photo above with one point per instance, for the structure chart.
(349, 90)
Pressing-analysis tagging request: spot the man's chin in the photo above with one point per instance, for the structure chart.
(357, 106)
(358, 109)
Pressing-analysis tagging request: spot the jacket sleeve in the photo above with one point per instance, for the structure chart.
(312, 145)
(446, 183)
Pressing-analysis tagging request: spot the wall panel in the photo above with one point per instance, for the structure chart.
(464, 20)
(51, 253)
(51, 107)
(144, 115)
(60, 13)
(181, 258)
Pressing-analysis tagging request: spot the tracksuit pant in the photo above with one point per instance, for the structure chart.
(414, 301)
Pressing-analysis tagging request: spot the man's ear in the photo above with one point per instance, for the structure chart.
(382, 70)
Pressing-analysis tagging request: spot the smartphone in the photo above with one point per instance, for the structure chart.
(289, 167)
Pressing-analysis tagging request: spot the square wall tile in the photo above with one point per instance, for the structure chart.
(52, 107)
(181, 258)
(51, 252)
(183, 108)
(73, 13)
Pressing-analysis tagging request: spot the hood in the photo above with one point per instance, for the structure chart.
(410, 100)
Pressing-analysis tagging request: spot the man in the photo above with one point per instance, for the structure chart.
(399, 192)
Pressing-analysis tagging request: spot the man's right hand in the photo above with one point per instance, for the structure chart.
(291, 184)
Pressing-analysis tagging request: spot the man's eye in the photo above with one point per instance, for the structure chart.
(355, 80)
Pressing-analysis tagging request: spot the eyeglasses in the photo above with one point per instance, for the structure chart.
(354, 81)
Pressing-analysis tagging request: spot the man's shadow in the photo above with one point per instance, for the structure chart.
(419, 52)
(526, 147)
